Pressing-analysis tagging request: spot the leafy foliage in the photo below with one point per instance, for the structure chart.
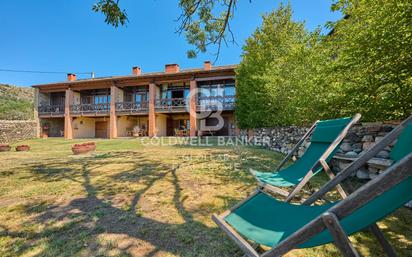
(203, 22)
(292, 76)
(16, 103)
(374, 58)
(111, 10)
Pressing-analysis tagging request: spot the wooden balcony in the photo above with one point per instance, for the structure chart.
(171, 105)
(213, 103)
(132, 107)
(51, 110)
(102, 109)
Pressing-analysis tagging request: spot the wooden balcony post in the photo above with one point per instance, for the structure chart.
(152, 115)
(192, 110)
(36, 111)
(68, 129)
(113, 116)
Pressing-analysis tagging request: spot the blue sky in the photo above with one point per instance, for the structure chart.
(67, 36)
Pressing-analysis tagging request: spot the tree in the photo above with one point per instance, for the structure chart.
(373, 62)
(203, 22)
(277, 78)
(291, 76)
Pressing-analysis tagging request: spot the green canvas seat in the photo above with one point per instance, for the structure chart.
(323, 135)
(293, 174)
(267, 221)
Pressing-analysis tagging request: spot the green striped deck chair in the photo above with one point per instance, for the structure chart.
(326, 136)
(283, 226)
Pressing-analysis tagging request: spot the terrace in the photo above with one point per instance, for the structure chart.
(51, 104)
(91, 103)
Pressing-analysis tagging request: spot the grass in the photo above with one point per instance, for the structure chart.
(134, 199)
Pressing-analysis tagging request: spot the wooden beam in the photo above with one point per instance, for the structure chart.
(68, 129)
(113, 117)
(290, 154)
(242, 243)
(301, 184)
(382, 240)
(215, 78)
(375, 162)
(328, 171)
(324, 156)
(270, 188)
(275, 190)
(152, 114)
(192, 108)
(389, 138)
(385, 181)
(341, 239)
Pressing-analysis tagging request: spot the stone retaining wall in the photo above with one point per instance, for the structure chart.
(360, 138)
(16, 130)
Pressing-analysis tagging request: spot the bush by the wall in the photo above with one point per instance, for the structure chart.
(16, 103)
(289, 75)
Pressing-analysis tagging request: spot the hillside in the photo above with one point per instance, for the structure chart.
(16, 103)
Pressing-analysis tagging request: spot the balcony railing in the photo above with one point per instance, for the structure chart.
(132, 107)
(161, 105)
(51, 110)
(170, 105)
(90, 108)
(216, 103)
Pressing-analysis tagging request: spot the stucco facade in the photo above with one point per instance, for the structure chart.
(164, 103)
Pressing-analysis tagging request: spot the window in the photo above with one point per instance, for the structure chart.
(170, 90)
(101, 99)
(184, 124)
(230, 90)
(218, 88)
(139, 97)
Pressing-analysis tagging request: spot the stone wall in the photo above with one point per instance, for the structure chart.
(360, 138)
(279, 139)
(15, 130)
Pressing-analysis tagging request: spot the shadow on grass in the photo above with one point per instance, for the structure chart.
(76, 228)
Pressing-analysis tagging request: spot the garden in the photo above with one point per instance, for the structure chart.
(132, 198)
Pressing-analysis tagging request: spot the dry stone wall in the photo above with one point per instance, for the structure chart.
(359, 139)
(15, 130)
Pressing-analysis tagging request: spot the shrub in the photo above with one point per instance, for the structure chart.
(289, 75)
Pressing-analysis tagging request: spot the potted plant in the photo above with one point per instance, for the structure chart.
(22, 148)
(83, 148)
(4, 147)
(136, 131)
(45, 131)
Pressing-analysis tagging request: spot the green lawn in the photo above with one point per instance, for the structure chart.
(134, 199)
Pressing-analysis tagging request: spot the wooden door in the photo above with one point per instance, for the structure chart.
(101, 129)
(170, 128)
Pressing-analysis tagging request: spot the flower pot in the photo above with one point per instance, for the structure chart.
(83, 148)
(4, 148)
(22, 148)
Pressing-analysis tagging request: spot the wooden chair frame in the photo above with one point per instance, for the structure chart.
(321, 162)
(331, 219)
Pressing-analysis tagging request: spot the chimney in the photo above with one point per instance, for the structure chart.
(71, 77)
(171, 68)
(136, 71)
(207, 65)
